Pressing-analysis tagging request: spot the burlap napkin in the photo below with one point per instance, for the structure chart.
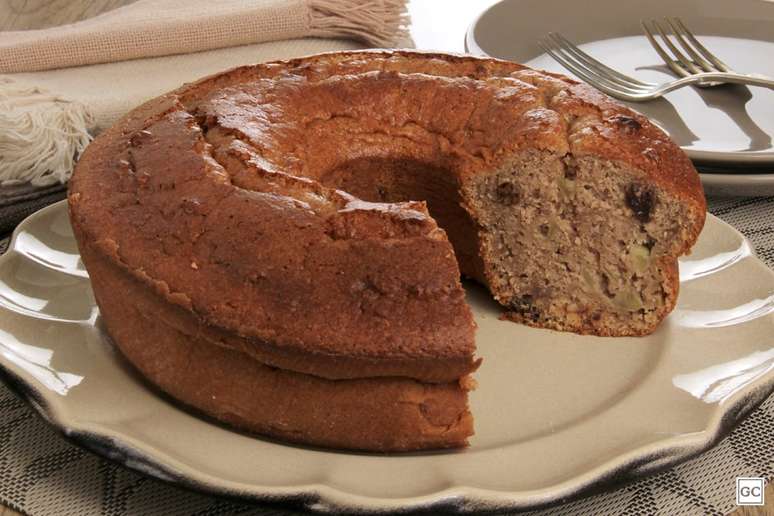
(149, 28)
(64, 84)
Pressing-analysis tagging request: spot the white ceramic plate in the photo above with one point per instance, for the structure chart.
(728, 181)
(556, 413)
(725, 125)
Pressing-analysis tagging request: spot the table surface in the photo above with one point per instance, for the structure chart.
(425, 31)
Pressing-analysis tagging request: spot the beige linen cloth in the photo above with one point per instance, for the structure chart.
(55, 83)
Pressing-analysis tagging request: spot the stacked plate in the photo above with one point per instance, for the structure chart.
(726, 130)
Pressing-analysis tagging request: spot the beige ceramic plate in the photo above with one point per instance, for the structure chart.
(555, 413)
(728, 181)
(728, 124)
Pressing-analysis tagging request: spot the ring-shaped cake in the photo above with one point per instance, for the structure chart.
(280, 246)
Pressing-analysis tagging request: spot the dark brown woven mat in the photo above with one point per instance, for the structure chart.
(17, 202)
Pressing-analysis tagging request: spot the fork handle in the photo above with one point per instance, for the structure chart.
(735, 78)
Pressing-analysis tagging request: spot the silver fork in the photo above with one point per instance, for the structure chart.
(624, 87)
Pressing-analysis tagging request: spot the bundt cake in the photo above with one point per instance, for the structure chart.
(280, 246)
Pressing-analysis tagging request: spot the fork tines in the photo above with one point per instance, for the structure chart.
(700, 60)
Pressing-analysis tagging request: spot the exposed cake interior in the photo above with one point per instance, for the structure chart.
(576, 244)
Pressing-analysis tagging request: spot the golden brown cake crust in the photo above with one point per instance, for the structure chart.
(209, 204)
(224, 253)
(376, 414)
(194, 250)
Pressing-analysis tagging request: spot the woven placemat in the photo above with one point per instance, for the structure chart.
(17, 202)
(43, 474)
